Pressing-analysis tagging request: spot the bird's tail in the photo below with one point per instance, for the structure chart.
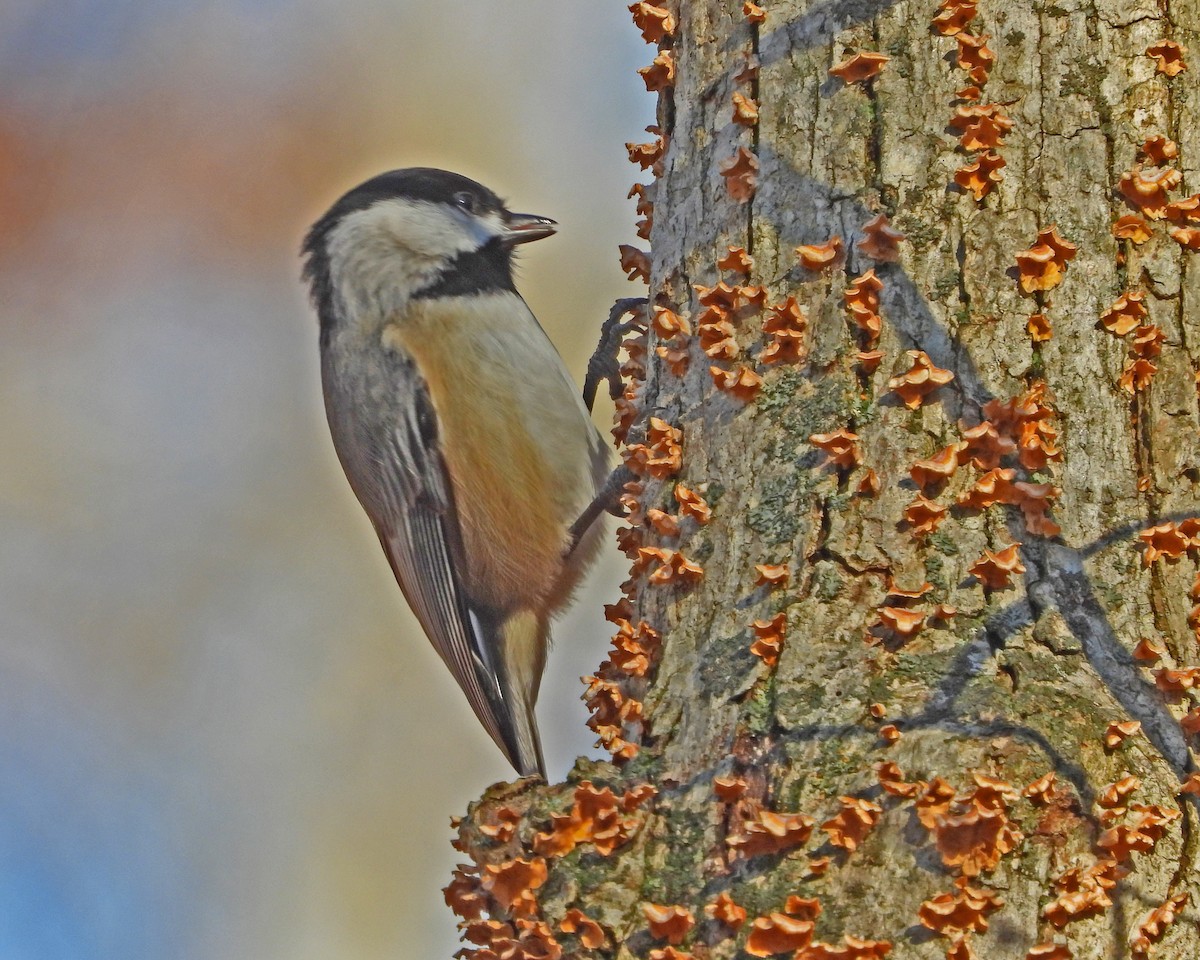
(521, 641)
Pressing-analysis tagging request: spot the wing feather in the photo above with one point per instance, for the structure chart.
(418, 526)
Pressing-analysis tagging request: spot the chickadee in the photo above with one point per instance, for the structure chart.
(458, 427)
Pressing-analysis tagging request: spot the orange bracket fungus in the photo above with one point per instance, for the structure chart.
(676, 358)
(1137, 375)
(505, 826)
(1169, 55)
(820, 256)
(716, 334)
(511, 881)
(862, 303)
(1186, 237)
(785, 324)
(939, 468)
(985, 446)
(1126, 314)
(959, 912)
(771, 832)
(881, 241)
(1041, 791)
(1083, 892)
(648, 156)
(891, 778)
(901, 621)
(745, 110)
(974, 839)
(853, 822)
(589, 932)
(954, 16)
(661, 456)
(1151, 929)
(660, 74)
(729, 788)
(724, 910)
(771, 574)
(869, 485)
(1132, 227)
(1042, 266)
(1147, 341)
(740, 382)
(753, 12)
(611, 712)
(858, 67)
(1159, 149)
(1164, 540)
(769, 638)
(737, 260)
(980, 126)
(920, 380)
(669, 953)
(644, 209)
(1147, 651)
(840, 446)
(691, 504)
(819, 866)
(741, 174)
(980, 177)
(869, 360)
(1184, 211)
(669, 922)
(995, 570)
(597, 816)
(667, 323)
(1038, 326)
(1049, 951)
(778, 933)
(1145, 189)
(656, 23)
(634, 262)
(924, 516)
(674, 567)
(975, 56)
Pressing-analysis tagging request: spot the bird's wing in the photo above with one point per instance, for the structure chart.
(418, 527)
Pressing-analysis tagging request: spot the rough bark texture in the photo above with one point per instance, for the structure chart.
(1026, 678)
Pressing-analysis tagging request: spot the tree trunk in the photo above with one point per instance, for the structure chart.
(933, 693)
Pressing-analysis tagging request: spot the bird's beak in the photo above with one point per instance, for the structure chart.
(523, 227)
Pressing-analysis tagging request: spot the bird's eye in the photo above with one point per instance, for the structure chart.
(466, 201)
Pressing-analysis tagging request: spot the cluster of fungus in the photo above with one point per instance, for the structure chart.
(981, 127)
(613, 694)
(1019, 431)
(1169, 542)
(1039, 270)
(1146, 189)
(496, 895)
(1128, 315)
(790, 928)
(740, 171)
(972, 830)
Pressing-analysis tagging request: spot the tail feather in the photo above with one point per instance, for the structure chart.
(521, 642)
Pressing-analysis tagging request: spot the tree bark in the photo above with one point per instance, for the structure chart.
(749, 745)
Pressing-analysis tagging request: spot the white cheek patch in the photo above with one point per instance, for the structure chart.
(379, 256)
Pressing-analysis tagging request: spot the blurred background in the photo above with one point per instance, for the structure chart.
(221, 733)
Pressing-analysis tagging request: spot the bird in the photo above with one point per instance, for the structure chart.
(458, 427)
